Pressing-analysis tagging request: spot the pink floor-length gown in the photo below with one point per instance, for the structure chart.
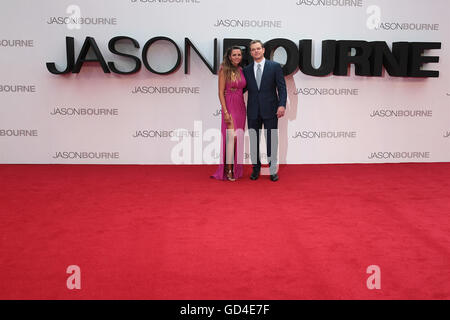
(234, 98)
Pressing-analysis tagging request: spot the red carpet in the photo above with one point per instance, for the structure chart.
(170, 232)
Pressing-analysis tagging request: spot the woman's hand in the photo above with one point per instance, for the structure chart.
(227, 117)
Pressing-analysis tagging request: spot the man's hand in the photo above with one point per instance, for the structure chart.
(280, 112)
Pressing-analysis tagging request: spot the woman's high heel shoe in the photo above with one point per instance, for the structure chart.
(230, 175)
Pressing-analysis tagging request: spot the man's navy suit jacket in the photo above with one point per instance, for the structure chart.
(271, 94)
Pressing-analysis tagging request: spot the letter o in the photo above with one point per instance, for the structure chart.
(148, 45)
(291, 52)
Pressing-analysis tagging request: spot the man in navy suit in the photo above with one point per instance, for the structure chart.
(266, 104)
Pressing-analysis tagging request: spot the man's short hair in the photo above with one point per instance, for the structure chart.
(256, 41)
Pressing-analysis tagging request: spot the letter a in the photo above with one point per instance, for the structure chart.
(74, 281)
(374, 281)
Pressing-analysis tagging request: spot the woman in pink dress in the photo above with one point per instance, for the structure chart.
(231, 96)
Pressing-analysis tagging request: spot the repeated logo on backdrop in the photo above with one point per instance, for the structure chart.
(137, 82)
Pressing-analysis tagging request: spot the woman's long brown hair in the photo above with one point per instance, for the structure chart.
(227, 66)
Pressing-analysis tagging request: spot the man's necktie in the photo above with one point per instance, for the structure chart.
(258, 75)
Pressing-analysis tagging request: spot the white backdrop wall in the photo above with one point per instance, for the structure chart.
(379, 119)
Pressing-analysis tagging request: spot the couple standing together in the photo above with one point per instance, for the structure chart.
(264, 81)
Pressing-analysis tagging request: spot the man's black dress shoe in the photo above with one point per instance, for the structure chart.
(274, 177)
(254, 175)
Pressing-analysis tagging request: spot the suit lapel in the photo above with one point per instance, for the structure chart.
(266, 66)
(252, 74)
